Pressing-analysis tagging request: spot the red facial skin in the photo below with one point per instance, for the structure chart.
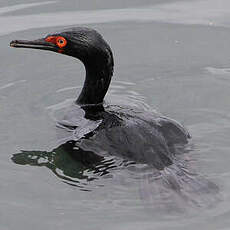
(57, 40)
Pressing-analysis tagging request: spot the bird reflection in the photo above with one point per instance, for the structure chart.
(72, 165)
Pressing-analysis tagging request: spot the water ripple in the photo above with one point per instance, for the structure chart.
(218, 71)
(7, 9)
(11, 84)
(209, 12)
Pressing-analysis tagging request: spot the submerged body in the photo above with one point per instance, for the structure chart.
(100, 130)
(140, 136)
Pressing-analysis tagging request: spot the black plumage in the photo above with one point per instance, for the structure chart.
(102, 130)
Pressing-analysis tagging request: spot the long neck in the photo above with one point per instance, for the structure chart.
(95, 86)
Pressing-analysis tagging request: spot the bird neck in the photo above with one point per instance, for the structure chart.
(95, 86)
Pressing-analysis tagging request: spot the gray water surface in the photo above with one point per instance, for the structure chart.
(170, 56)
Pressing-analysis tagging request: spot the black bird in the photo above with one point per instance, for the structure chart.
(99, 129)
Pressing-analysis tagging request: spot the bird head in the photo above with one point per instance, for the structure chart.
(83, 43)
(88, 46)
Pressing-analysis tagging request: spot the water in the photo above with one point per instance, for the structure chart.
(170, 56)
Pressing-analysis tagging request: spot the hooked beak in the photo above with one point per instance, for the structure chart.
(35, 44)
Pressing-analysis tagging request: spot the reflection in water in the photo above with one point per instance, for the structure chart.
(176, 185)
(73, 165)
(78, 168)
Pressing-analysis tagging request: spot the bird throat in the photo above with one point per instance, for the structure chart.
(95, 87)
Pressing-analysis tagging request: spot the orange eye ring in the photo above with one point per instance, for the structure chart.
(61, 42)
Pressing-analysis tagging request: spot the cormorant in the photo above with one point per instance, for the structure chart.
(136, 135)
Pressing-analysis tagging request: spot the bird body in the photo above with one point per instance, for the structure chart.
(141, 136)
(130, 133)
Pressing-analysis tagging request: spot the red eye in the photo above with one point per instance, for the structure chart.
(61, 42)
